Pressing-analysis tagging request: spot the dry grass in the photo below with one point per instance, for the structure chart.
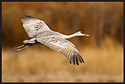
(38, 64)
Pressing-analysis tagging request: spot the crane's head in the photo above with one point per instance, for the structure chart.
(80, 33)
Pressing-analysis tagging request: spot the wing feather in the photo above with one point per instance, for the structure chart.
(63, 46)
(33, 26)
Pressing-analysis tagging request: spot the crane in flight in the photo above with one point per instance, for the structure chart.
(41, 34)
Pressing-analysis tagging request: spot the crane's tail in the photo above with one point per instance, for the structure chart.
(19, 48)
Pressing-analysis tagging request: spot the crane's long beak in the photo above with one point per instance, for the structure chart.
(86, 35)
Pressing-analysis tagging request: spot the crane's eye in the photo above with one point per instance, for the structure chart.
(81, 32)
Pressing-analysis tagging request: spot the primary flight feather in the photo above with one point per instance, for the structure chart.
(42, 34)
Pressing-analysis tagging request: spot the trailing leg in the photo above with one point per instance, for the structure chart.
(27, 43)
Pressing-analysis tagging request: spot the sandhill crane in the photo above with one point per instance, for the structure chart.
(42, 34)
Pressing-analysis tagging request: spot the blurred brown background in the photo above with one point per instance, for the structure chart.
(102, 52)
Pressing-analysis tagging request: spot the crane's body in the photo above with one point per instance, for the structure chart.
(40, 33)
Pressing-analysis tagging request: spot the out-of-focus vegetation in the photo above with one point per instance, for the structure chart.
(101, 65)
(102, 52)
(99, 19)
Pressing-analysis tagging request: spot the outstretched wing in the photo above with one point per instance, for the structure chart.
(33, 26)
(63, 46)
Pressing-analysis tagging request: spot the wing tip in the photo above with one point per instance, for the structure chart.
(27, 16)
(77, 62)
(75, 59)
(80, 58)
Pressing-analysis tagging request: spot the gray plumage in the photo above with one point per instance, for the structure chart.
(42, 34)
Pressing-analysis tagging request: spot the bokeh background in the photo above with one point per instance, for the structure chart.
(102, 52)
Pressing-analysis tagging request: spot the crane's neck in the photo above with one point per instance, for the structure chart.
(70, 36)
